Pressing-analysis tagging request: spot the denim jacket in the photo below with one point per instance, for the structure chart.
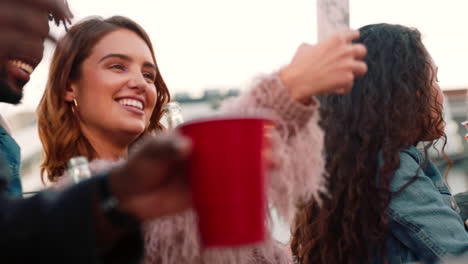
(462, 202)
(425, 225)
(10, 151)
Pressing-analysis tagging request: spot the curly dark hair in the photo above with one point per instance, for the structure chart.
(391, 108)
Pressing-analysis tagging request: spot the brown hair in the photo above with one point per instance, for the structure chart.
(59, 129)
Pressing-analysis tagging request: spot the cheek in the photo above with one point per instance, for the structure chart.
(97, 95)
(94, 105)
(151, 100)
(152, 93)
(99, 83)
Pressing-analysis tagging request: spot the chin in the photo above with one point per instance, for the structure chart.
(134, 130)
(127, 128)
(9, 93)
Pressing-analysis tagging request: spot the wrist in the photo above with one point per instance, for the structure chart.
(291, 81)
(288, 77)
(120, 188)
(110, 206)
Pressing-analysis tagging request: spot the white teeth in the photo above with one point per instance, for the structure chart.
(131, 102)
(22, 65)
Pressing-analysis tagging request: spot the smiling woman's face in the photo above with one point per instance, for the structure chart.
(116, 91)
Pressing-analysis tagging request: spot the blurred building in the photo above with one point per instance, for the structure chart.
(456, 111)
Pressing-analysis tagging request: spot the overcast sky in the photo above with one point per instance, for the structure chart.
(222, 44)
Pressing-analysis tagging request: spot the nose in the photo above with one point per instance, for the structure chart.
(137, 81)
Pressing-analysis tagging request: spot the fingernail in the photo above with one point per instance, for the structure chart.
(183, 144)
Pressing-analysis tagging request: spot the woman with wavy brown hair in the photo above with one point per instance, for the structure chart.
(386, 201)
(91, 73)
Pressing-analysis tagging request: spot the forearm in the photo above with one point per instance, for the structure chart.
(297, 141)
(57, 227)
(268, 96)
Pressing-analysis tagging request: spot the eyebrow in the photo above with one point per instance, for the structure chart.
(127, 58)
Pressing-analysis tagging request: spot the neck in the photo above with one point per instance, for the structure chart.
(107, 147)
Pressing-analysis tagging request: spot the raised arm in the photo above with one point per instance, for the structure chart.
(287, 97)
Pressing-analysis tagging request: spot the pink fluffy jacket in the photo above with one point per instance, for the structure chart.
(298, 174)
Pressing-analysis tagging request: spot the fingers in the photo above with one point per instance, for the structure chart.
(356, 67)
(345, 82)
(268, 147)
(342, 91)
(359, 51)
(167, 146)
(359, 68)
(341, 38)
(350, 35)
(65, 16)
(154, 174)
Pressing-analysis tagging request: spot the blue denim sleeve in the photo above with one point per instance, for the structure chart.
(422, 218)
(10, 151)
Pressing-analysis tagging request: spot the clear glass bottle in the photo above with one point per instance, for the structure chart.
(78, 169)
(173, 114)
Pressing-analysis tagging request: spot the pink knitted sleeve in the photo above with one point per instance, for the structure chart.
(297, 142)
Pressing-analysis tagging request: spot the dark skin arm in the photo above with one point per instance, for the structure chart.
(157, 166)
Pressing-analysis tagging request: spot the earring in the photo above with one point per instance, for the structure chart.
(75, 105)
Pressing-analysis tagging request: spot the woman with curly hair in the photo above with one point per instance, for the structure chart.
(387, 202)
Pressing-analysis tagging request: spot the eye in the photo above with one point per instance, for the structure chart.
(117, 66)
(149, 76)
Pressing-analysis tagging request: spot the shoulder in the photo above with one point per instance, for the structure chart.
(410, 162)
(412, 154)
(413, 168)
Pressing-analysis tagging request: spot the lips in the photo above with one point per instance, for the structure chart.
(134, 104)
(131, 102)
(19, 72)
(26, 67)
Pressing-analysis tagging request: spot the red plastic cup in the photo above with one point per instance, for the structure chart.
(226, 172)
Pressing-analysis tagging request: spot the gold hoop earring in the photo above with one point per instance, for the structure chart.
(74, 105)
